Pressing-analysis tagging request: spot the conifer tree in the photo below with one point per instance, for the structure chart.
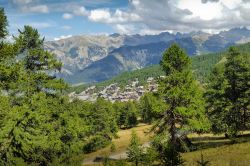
(183, 97)
(237, 74)
(31, 130)
(3, 24)
(135, 150)
(150, 107)
(8, 68)
(39, 66)
(228, 93)
(216, 100)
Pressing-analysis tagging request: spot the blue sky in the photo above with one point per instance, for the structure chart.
(51, 23)
(61, 18)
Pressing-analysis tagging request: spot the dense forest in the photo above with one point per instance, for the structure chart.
(41, 125)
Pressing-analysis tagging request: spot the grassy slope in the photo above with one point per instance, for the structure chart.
(226, 155)
(121, 143)
(216, 149)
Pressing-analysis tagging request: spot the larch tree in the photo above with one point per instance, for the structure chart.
(40, 66)
(228, 93)
(135, 150)
(182, 95)
(32, 132)
(3, 24)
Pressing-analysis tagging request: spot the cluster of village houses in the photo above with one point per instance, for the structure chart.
(114, 93)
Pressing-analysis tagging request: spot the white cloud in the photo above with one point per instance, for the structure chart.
(67, 16)
(148, 16)
(62, 37)
(106, 16)
(100, 15)
(205, 11)
(177, 15)
(124, 29)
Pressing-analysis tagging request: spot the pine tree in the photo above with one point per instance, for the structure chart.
(183, 97)
(3, 24)
(216, 100)
(228, 93)
(135, 150)
(237, 73)
(39, 66)
(8, 68)
(31, 130)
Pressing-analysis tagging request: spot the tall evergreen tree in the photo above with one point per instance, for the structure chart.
(3, 24)
(39, 66)
(8, 68)
(183, 97)
(135, 150)
(216, 100)
(31, 132)
(228, 93)
(237, 73)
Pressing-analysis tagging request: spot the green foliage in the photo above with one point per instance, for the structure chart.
(3, 24)
(150, 156)
(112, 147)
(99, 120)
(135, 150)
(39, 125)
(29, 39)
(228, 93)
(181, 94)
(126, 113)
(39, 66)
(216, 108)
(184, 104)
(167, 153)
(29, 134)
(120, 162)
(151, 107)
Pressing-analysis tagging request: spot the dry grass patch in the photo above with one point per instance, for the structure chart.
(227, 155)
(121, 143)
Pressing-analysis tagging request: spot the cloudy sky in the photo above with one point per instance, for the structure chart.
(61, 18)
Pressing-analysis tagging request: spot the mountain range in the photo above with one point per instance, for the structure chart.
(89, 59)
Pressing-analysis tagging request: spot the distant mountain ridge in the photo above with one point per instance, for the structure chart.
(89, 59)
